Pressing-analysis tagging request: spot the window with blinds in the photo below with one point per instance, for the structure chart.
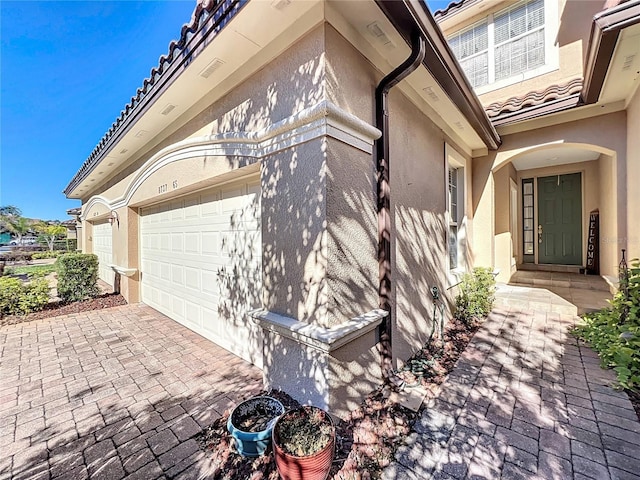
(471, 48)
(519, 39)
(453, 217)
(505, 44)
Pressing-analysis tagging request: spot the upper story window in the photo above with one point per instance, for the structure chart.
(519, 39)
(471, 49)
(509, 44)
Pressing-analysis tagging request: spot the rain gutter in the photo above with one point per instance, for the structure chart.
(418, 47)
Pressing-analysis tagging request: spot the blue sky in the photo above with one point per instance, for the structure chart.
(66, 71)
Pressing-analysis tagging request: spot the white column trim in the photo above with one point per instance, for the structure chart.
(321, 338)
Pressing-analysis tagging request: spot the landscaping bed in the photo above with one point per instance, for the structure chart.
(367, 440)
(55, 309)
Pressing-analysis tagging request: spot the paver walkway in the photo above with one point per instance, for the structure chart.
(525, 401)
(111, 394)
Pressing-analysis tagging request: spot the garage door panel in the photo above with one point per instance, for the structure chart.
(208, 274)
(210, 243)
(177, 242)
(192, 278)
(102, 247)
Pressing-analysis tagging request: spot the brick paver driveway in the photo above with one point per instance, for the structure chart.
(111, 394)
(525, 401)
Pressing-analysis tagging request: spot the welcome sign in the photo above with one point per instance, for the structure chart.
(593, 260)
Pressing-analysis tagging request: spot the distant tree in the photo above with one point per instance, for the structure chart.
(19, 226)
(7, 213)
(50, 233)
(10, 211)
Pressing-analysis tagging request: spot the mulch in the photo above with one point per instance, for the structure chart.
(634, 396)
(55, 309)
(367, 440)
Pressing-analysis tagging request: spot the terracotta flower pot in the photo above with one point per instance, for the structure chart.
(312, 466)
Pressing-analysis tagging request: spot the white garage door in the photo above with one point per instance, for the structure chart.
(202, 266)
(102, 247)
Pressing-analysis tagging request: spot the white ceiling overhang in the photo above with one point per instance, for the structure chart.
(258, 33)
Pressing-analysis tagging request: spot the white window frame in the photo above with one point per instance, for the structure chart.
(453, 160)
(475, 55)
(551, 54)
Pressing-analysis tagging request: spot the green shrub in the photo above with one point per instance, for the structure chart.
(618, 342)
(77, 276)
(476, 296)
(17, 298)
(36, 295)
(46, 254)
(10, 292)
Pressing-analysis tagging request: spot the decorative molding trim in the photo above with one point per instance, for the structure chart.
(320, 120)
(321, 338)
(125, 272)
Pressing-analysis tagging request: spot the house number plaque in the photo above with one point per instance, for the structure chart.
(164, 188)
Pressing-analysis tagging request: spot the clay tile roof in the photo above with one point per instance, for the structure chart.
(452, 9)
(534, 99)
(178, 51)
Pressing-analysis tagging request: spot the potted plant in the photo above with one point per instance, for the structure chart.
(304, 444)
(251, 423)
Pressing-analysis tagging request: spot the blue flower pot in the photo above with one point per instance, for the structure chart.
(254, 443)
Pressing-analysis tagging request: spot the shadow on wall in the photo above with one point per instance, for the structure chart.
(240, 281)
(420, 256)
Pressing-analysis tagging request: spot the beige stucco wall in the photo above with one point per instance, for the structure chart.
(419, 259)
(319, 220)
(417, 182)
(571, 39)
(633, 176)
(286, 86)
(503, 238)
(294, 236)
(605, 183)
(289, 84)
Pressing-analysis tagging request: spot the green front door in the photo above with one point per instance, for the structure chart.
(560, 219)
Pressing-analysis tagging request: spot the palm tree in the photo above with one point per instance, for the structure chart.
(18, 226)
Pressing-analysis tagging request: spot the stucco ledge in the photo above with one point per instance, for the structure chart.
(125, 272)
(321, 338)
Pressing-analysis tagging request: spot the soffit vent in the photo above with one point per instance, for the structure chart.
(141, 133)
(212, 67)
(431, 94)
(280, 4)
(376, 31)
(124, 150)
(628, 61)
(168, 109)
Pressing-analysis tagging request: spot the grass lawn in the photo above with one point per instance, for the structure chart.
(27, 269)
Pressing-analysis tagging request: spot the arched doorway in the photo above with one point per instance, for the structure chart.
(557, 186)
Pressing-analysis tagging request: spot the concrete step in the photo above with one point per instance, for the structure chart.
(532, 267)
(549, 279)
(533, 304)
(570, 301)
